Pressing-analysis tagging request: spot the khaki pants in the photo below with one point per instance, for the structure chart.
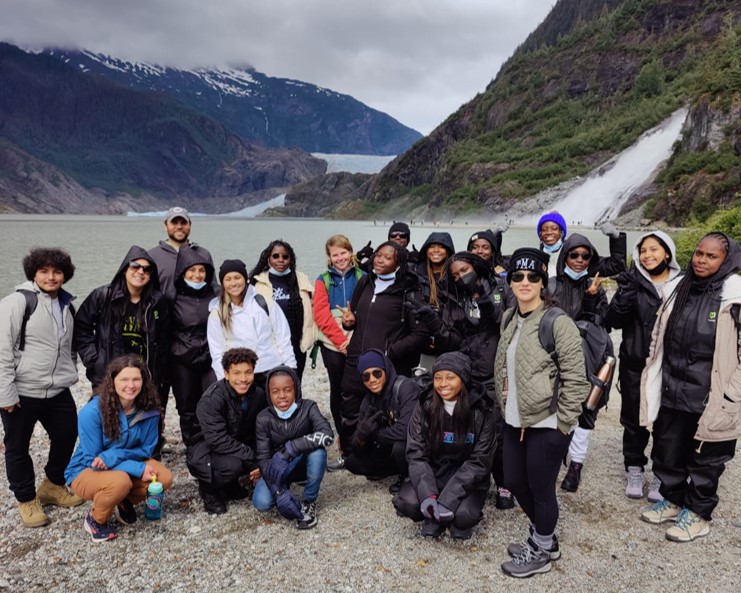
(106, 488)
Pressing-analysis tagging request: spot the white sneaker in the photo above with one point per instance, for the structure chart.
(634, 482)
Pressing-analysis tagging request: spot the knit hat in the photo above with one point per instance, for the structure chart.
(371, 359)
(232, 265)
(553, 216)
(455, 362)
(529, 259)
(494, 239)
(399, 227)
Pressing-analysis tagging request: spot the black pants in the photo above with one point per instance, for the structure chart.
(334, 362)
(352, 396)
(300, 362)
(688, 478)
(531, 467)
(227, 468)
(188, 384)
(497, 466)
(379, 459)
(635, 436)
(58, 416)
(466, 516)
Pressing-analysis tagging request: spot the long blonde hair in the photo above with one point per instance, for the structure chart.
(224, 308)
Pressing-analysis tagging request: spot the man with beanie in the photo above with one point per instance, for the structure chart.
(380, 437)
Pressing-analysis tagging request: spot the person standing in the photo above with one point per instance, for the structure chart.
(37, 368)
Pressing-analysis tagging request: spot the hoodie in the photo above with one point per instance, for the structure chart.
(439, 238)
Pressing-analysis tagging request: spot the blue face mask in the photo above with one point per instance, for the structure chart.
(389, 276)
(575, 275)
(288, 413)
(195, 285)
(275, 272)
(553, 248)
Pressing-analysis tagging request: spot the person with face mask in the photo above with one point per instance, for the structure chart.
(633, 310)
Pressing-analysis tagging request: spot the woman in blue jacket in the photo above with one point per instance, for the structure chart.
(118, 430)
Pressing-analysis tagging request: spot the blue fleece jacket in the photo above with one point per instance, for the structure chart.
(128, 453)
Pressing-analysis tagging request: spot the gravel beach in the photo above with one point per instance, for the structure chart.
(361, 545)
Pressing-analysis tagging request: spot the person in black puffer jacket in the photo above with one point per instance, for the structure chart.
(380, 439)
(450, 445)
(191, 371)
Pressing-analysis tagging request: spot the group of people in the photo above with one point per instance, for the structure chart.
(446, 369)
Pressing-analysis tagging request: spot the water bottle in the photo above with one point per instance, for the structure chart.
(153, 502)
(604, 375)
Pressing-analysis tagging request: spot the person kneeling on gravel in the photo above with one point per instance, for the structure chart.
(292, 438)
(222, 442)
(380, 438)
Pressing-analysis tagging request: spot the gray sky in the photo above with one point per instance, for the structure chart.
(417, 60)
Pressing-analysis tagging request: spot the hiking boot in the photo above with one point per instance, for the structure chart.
(395, 486)
(336, 465)
(309, 520)
(213, 501)
(461, 534)
(432, 528)
(125, 512)
(531, 560)
(634, 482)
(100, 532)
(32, 515)
(653, 490)
(572, 478)
(504, 499)
(661, 512)
(235, 491)
(50, 493)
(689, 526)
(515, 548)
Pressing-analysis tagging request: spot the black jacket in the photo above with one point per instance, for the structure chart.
(98, 335)
(273, 432)
(190, 310)
(420, 269)
(454, 471)
(397, 407)
(165, 256)
(224, 426)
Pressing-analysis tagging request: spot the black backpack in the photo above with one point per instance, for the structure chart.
(32, 300)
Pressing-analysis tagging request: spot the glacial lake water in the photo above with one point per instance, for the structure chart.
(97, 244)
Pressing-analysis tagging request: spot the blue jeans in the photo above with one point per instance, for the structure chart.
(307, 466)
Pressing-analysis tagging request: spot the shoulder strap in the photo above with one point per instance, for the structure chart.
(327, 279)
(260, 300)
(358, 273)
(32, 300)
(509, 317)
(548, 342)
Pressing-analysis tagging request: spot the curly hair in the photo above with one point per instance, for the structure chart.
(41, 257)
(147, 399)
(238, 356)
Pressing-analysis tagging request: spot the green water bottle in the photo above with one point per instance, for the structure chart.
(154, 500)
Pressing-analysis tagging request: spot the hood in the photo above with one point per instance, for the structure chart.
(577, 240)
(441, 238)
(495, 240)
(731, 265)
(674, 269)
(190, 256)
(294, 376)
(390, 373)
(136, 252)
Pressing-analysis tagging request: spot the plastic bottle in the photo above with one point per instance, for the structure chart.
(154, 500)
(604, 374)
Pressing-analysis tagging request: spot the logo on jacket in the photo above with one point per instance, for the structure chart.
(449, 438)
(712, 316)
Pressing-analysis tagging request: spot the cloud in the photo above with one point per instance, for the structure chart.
(416, 60)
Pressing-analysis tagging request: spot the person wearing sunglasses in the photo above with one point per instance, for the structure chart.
(276, 278)
(127, 316)
(577, 289)
(450, 444)
(380, 438)
(538, 420)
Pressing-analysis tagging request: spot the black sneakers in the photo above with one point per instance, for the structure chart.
(336, 465)
(573, 477)
(528, 561)
(309, 520)
(213, 501)
(395, 486)
(504, 499)
(125, 512)
(235, 491)
(432, 528)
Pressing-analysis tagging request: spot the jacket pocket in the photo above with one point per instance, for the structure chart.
(726, 416)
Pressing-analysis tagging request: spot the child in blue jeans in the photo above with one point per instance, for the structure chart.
(292, 437)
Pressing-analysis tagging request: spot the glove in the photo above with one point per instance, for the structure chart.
(430, 318)
(429, 507)
(443, 514)
(607, 228)
(367, 425)
(276, 470)
(365, 253)
(287, 504)
(501, 227)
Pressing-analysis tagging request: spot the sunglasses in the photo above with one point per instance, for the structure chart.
(576, 255)
(532, 277)
(135, 265)
(284, 256)
(398, 236)
(366, 375)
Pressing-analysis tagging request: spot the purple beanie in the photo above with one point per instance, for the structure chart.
(553, 216)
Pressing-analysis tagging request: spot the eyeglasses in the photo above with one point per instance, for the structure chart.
(284, 256)
(135, 265)
(576, 255)
(532, 277)
(366, 375)
(398, 235)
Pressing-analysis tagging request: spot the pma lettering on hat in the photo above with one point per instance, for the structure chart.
(525, 263)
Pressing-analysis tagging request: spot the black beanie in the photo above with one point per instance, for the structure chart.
(232, 265)
(399, 227)
(455, 362)
(495, 240)
(529, 259)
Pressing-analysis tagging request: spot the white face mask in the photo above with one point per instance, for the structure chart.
(275, 272)
(195, 285)
(575, 275)
(288, 413)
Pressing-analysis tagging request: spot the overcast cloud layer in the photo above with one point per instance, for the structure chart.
(417, 60)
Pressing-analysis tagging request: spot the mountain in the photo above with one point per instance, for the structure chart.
(103, 139)
(275, 112)
(584, 86)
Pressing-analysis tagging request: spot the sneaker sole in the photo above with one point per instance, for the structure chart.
(659, 521)
(308, 525)
(119, 517)
(683, 539)
(655, 499)
(55, 502)
(36, 524)
(543, 569)
(638, 497)
(97, 540)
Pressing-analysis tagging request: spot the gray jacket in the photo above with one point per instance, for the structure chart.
(47, 365)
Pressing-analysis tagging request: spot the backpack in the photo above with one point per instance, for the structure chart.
(596, 345)
(32, 300)
(327, 278)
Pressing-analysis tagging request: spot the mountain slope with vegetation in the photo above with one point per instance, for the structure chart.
(583, 87)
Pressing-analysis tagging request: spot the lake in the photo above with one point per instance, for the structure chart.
(97, 244)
